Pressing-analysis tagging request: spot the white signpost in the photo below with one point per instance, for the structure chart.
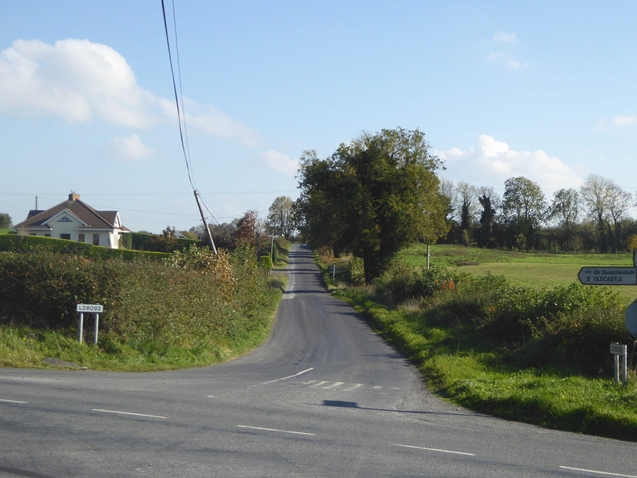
(608, 275)
(82, 309)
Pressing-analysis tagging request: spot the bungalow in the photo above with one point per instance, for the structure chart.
(77, 221)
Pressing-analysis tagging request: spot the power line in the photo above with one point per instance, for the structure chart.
(172, 72)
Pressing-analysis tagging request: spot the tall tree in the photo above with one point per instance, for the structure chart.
(487, 217)
(523, 207)
(280, 220)
(565, 211)
(373, 196)
(5, 221)
(619, 201)
(248, 227)
(594, 194)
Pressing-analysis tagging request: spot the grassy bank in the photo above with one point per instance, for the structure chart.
(195, 309)
(530, 269)
(534, 355)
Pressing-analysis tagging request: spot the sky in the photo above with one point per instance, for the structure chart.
(540, 89)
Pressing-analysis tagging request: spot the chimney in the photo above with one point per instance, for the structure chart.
(74, 196)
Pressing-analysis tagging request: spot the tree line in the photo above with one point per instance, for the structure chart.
(593, 218)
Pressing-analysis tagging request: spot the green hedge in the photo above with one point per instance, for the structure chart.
(143, 300)
(16, 243)
(142, 241)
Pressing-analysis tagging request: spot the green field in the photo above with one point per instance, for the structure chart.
(532, 269)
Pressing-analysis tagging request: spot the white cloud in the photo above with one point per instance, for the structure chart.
(491, 162)
(621, 120)
(79, 81)
(280, 162)
(504, 37)
(516, 65)
(129, 148)
(505, 43)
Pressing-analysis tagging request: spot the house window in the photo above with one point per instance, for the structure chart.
(33, 234)
(65, 236)
(96, 239)
(64, 219)
(81, 238)
(47, 235)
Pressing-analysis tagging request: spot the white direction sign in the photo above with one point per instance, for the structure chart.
(90, 308)
(608, 275)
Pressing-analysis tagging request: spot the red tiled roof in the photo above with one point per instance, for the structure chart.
(84, 212)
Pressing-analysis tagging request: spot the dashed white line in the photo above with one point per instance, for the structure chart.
(318, 384)
(334, 385)
(435, 449)
(11, 401)
(285, 378)
(127, 413)
(605, 473)
(276, 430)
(352, 388)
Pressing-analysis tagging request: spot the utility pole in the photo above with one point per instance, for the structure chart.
(205, 224)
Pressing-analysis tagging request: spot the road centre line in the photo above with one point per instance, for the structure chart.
(606, 473)
(12, 401)
(276, 430)
(285, 378)
(435, 449)
(128, 413)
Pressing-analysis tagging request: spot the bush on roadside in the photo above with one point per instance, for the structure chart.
(178, 303)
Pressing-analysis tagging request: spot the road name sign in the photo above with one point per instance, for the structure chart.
(617, 349)
(608, 275)
(90, 308)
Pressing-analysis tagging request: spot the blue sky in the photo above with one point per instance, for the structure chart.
(539, 89)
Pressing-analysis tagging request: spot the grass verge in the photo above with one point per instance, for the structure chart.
(473, 371)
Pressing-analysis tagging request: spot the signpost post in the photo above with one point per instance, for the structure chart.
(95, 309)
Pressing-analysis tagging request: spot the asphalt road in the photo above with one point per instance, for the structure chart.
(324, 396)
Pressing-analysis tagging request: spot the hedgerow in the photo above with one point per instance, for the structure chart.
(193, 296)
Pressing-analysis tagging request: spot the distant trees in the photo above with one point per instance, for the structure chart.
(281, 218)
(373, 196)
(595, 217)
(5, 221)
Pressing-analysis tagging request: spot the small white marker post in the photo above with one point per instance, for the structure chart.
(617, 350)
(95, 309)
(333, 272)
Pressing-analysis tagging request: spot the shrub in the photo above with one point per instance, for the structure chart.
(174, 303)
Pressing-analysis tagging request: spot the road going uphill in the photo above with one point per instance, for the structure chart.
(325, 396)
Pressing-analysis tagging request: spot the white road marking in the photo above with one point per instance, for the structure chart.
(395, 388)
(319, 384)
(377, 387)
(435, 449)
(334, 385)
(358, 385)
(211, 396)
(276, 430)
(285, 378)
(11, 401)
(128, 413)
(606, 473)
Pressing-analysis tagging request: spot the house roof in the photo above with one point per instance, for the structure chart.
(91, 218)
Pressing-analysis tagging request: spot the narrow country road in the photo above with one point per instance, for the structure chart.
(324, 397)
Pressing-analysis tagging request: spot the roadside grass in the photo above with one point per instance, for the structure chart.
(472, 373)
(4, 231)
(471, 368)
(530, 269)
